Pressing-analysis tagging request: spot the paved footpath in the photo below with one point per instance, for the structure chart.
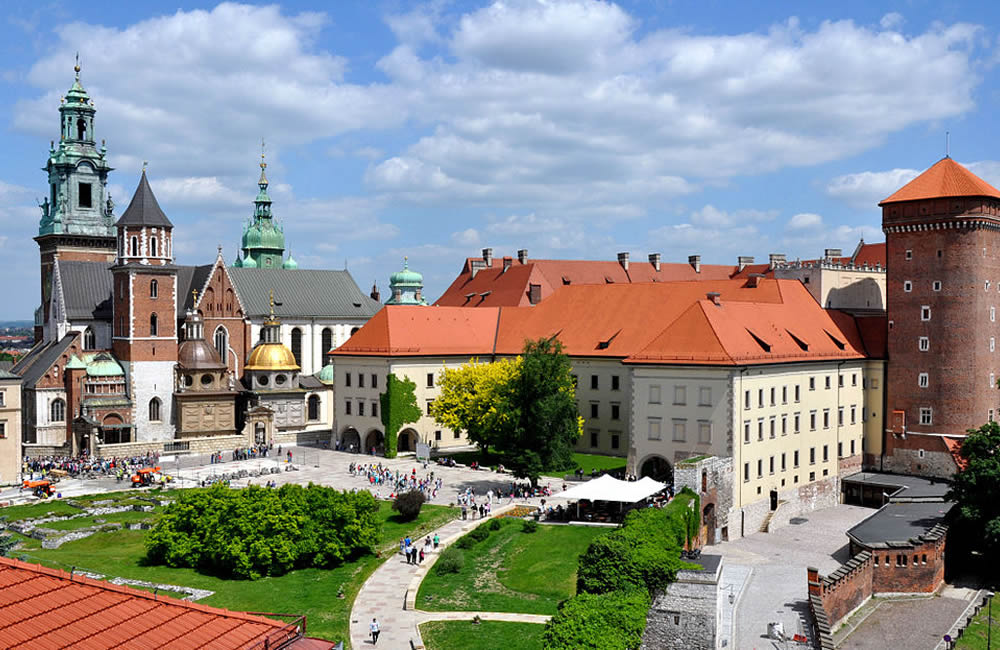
(390, 592)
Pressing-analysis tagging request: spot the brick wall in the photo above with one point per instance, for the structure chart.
(220, 306)
(845, 589)
(915, 569)
(849, 465)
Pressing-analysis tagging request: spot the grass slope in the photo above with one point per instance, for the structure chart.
(488, 635)
(512, 571)
(974, 637)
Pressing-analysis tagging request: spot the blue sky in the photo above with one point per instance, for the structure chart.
(574, 129)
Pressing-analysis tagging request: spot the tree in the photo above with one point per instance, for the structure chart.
(407, 504)
(399, 407)
(974, 488)
(548, 424)
(478, 398)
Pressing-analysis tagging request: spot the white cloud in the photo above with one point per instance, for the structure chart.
(804, 221)
(467, 237)
(892, 20)
(864, 190)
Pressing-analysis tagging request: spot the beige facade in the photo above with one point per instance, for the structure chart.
(10, 429)
(604, 398)
(837, 286)
(873, 414)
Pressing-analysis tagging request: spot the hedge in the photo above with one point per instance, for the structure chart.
(613, 621)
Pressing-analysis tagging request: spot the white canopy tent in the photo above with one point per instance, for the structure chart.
(608, 488)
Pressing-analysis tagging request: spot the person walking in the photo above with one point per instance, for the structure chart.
(437, 540)
(421, 561)
(374, 629)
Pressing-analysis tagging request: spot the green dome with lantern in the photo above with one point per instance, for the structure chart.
(406, 287)
(326, 375)
(104, 365)
(263, 242)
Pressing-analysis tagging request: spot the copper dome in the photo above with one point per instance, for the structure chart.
(196, 354)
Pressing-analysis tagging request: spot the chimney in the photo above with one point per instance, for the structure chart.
(715, 297)
(623, 260)
(654, 259)
(776, 259)
(488, 256)
(743, 261)
(522, 256)
(754, 280)
(508, 261)
(833, 252)
(534, 293)
(695, 262)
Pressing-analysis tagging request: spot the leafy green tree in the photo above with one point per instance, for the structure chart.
(408, 504)
(478, 398)
(612, 621)
(975, 488)
(548, 424)
(399, 407)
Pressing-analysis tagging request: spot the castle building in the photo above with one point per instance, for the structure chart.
(10, 428)
(272, 376)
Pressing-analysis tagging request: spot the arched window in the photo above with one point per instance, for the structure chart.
(81, 129)
(153, 288)
(135, 246)
(89, 340)
(152, 247)
(297, 345)
(326, 345)
(57, 412)
(154, 409)
(221, 340)
(313, 410)
(152, 325)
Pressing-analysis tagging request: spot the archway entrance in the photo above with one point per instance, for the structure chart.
(407, 441)
(350, 440)
(658, 469)
(708, 520)
(375, 440)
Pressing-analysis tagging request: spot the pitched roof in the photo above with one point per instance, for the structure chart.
(870, 254)
(954, 446)
(492, 286)
(417, 330)
(190, 278)
(33, 366)
(302, 293)
(944, 178)
(143, 210)
(86, 288)
(47, 608)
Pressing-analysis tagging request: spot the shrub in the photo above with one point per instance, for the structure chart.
(408, 504)
(479, 533)
(256, 532)
(613, 621)
(451, 561)
(494, 524)
(466, 541)
(529, 526)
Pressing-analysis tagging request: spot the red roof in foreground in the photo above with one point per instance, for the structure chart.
(944, 178)
(954, 446)
(47, 608)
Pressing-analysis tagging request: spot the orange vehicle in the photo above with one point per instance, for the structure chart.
(145, 476)
(41, 489)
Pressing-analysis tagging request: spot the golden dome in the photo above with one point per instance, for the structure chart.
(271, 356)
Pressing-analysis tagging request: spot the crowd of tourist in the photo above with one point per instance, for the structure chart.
(379, 476)
(83, 465)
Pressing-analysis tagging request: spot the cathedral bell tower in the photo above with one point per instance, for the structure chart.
(77, 215)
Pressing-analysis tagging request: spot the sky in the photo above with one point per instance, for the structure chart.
(574, 129)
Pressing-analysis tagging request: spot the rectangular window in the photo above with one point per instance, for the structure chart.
(680, 395)
(430, 380)
(926, 416)
(784, 394)
(923, 380)
(705, 396)
(760, 429)
(361, 380)
(374, 409)
(428, 410)
(796, 393)
(616, 411)
(374, 380)
(746, 472)
(993, 344)
(796, 427)
(826, 453)
(924, 344)
(854, 413)
(593, 409)
(827, 382)
(347, 379)
(812, 456)
(655, 424)
(795, 459)
(746, 432)
(593, 438)
(852, 447)
(347, 407)
(437, 435)
(771, 466)
(760, 398)
(361, 408)
(784, 424)
(826, 418)
(812, 383)
(840, 416)
(854, 379)
(746, 399)
(773, 427)
(457, 435)
(615, 382)
(86, 200)
(593, 382)
(812, 420)
(907, 286)
(812, 476)
(680, 430)
(654, 394)
(782, 461)
(772, 396)
(615, 440)
(3, 398)
(3, 430)
(760, 467)
(925, 312)
(704, 431)
(909, 255)
(993, 314)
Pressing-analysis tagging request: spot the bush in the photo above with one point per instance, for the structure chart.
(256, 532)
(466, 542)
(494, 524)
(613, 621)
(451, 561)
(479, 533)
(408, 504)
(529, 526)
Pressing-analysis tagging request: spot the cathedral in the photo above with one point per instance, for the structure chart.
(136, 353)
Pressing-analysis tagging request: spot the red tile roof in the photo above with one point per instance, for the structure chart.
(47, 608)
(668, 322)
(954, 446)
(870, 254)
(944, 178)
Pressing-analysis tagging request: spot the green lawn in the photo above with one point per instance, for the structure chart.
(41, 509)
(488, 635)
(586, 461)
(512, 571)
(596, 461)
(974, 637)
(127, 517)
(312, 592)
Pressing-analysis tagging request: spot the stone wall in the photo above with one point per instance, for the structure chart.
(849, 465)
(686, 615)
(824, 493)
(711, 479)
(195, 446)
(918, 455)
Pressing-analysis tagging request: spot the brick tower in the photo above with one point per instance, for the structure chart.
(77, 222)
(943, 287)
(145, 308)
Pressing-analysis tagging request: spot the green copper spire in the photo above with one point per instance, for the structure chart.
(263, 239)
(406, 287)
(78, 201)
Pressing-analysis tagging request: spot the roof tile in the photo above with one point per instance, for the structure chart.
(944, 178)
